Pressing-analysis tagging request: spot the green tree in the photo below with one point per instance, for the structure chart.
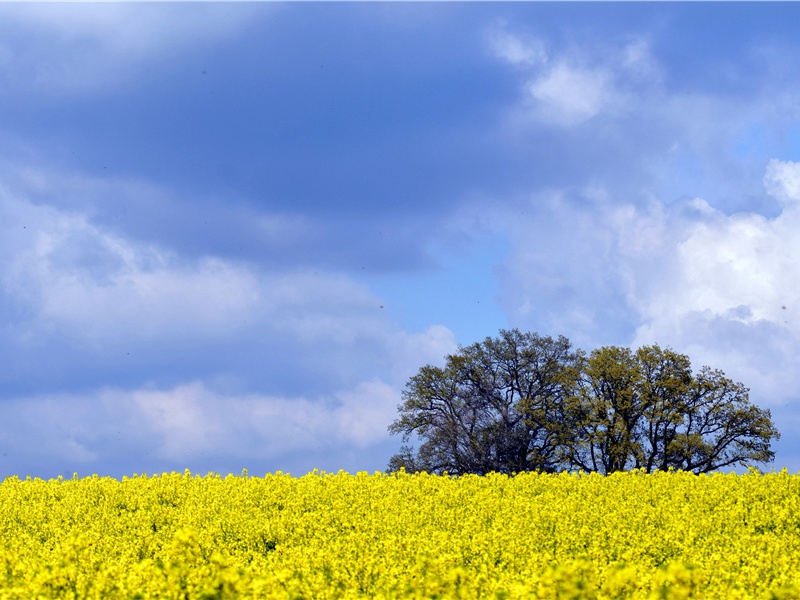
(647, 410)
(604, 412)
(494, 406)
(521, 402)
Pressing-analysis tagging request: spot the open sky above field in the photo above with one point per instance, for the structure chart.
(229, 233)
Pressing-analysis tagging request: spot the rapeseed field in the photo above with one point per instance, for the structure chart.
(325, 536)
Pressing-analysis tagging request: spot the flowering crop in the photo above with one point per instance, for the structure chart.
(627, 535)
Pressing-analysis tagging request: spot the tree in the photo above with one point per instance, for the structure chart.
(604, 412)
(522, 402)
(494, 406)
(646, 410)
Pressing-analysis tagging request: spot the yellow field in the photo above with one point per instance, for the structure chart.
(668, 535)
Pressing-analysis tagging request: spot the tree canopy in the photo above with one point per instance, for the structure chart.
(524, 402)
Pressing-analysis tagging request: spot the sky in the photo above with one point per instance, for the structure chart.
(230, 233)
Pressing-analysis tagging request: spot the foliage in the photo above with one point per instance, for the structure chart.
(495, 406)
(331, 536)
(523, 402)
(646, 410)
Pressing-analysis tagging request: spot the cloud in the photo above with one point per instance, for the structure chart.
(209, 423)
(659, 229)
(568, 95)
(175, 426)
(732, 294)
(721, 288)
(192, 418)
(73, 273)
(91, 303)
(783, 182)
(200, 422)
(621, 115)
(576, 259)
(78, 47)
(568, 87)
(410, 351)
(210, 420)
(266, 363)
(518, 50)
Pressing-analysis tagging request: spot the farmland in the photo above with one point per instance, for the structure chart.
(323, 535)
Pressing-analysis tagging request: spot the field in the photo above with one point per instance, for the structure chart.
(629, 535)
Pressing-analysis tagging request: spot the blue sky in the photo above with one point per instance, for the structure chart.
(229, 233)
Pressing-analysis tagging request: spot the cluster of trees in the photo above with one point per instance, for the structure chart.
(523, 402)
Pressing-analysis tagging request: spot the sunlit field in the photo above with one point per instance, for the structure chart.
(631, 535)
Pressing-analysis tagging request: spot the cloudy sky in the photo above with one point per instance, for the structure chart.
(229, 233)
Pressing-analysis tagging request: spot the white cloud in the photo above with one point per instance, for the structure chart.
(77, 278)
(783, 182)
(732, 295)
(573, 262)
(363, 414)
(74, 275)
(637, 61)
(210, 421)
(572, 86)
(732, 261)
(569, 95)
(65, 275)
(721, 288)
(140, 29)
(190, 420)
(80, 46)
(410, 351)
(516, 49)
